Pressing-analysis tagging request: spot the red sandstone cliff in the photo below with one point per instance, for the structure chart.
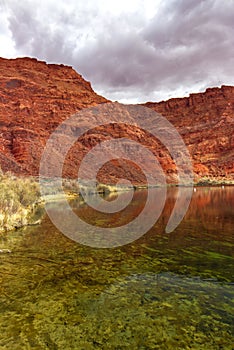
(35, 97)
(206, 123)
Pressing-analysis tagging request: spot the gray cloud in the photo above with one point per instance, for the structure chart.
(186, 46)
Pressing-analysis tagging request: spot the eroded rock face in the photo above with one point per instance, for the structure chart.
(36, 97)
(206, 123)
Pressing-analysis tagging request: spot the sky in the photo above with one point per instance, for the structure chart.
(130, 50)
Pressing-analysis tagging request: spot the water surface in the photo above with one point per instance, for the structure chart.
(163, 291)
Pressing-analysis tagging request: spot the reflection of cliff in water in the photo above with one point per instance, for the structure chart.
(210, 207)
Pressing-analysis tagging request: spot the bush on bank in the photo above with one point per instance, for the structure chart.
(17, 199)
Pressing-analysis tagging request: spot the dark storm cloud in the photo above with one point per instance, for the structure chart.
(187, 45)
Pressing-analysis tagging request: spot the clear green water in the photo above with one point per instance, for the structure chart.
(164, 291)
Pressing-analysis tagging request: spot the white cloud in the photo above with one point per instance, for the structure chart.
(131, 50)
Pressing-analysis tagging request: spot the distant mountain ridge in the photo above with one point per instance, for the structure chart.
(36, 97)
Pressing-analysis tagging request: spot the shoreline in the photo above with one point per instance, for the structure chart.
(22, 218)
(26, 215)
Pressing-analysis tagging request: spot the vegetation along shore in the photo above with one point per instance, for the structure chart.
(19, 198)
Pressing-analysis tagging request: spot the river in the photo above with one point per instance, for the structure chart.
(163, 291)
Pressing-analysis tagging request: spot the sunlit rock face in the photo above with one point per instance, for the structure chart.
(36, 97)
(206, 123)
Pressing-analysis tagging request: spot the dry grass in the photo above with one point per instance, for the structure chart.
(17, 197)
